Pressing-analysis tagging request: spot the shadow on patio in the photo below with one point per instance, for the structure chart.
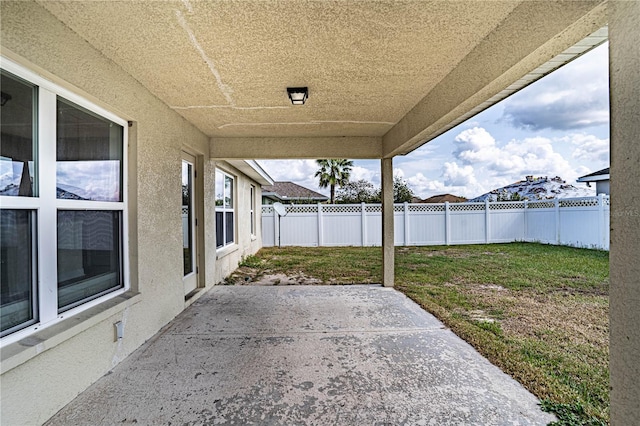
(359, 354)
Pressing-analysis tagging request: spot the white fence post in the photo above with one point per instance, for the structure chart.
(447, 224)
(526, 224)
(320, 227)
(556, 204)
(487, 222)
(406, 224)
(363, 223)
(601, 232)
(275, 228)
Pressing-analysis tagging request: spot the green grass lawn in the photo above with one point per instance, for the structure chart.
(539, 312)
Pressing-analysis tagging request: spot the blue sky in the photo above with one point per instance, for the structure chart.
(557, 126)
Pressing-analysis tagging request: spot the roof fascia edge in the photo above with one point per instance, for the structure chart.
(252, 169)
(431, 117)
(593, 178)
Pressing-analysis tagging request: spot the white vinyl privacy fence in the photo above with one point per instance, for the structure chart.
(579, 222)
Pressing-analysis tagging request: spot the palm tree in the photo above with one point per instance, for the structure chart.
(333, 172)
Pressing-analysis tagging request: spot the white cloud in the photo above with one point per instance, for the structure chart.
(302, 172)
(454, 175)
(458, 181)
(480, 163)
(477, 163)
(298, 171)
(590, 148)
(475, 145)
(573, 97)
(358, 173)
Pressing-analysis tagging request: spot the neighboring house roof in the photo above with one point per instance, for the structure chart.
(289, 191)
(595, 176)
(444, 198)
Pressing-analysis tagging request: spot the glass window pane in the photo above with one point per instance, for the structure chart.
(17, 307)
(187, 217)
(89, 255)
(219, 229)
(228, 225)
(89, 155)
(228, 192)
(17, 143)
(252, 204)
(219, 185)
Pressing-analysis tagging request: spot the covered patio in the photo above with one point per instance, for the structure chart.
(206, 82)
(304, 355)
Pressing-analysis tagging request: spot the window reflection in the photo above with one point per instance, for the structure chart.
(18, 269)
(219, 189)
(187, 217)
(228, 192)
(17, 143)
(89, 255)
(89, 155)
(225, 223)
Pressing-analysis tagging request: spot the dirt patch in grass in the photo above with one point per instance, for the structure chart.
(256, 276)
(582, 317)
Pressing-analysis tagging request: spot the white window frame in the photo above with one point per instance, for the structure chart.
(224, 210)
(46, 205)
(252, 209)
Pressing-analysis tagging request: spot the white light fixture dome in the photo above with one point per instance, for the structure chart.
(298, 95)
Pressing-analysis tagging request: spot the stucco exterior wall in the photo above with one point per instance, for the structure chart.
(624, 293)
(246, 244)
(42, 376)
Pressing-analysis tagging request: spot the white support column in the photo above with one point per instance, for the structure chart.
(624, 254)
(388, 255)
(320, 226)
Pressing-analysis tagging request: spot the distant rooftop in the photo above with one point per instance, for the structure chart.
(444, 198)
(595, 176)
(289, 191)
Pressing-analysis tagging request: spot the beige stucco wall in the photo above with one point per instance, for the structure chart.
(246, 244)
(39, 379)
(624, 296)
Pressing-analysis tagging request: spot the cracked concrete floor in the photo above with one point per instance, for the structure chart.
(304, 355)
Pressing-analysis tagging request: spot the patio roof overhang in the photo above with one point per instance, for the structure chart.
(384, 77)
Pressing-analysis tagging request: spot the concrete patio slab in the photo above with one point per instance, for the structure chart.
(304, 355)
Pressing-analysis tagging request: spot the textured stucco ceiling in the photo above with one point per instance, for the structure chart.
(225, 65)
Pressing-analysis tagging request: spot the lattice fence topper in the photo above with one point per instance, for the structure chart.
(376, 208)
(606, 201)
(426, 208)
(398, 209)
(267, 209)
(343, 208)
(466, 207)
(578, 202)
(507, 205)
(185, 210)
(301, 208)
(541, 204)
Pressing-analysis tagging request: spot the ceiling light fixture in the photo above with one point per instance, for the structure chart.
(298, 95)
